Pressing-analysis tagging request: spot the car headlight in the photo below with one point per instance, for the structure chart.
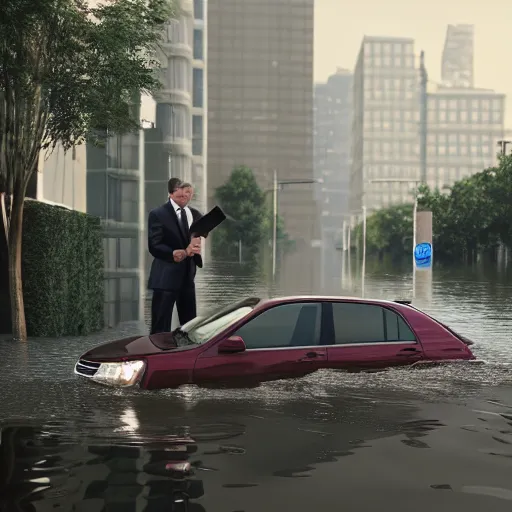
(124, 374)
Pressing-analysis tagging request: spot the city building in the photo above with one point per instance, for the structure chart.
(260, 106)
(464, 123)
(175, 144)
(332, 131)
(114, 184)
(464, 126)
(385, 128)
(61, 177)
(457, 59)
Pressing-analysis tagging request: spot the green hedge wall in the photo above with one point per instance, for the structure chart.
(62, 271)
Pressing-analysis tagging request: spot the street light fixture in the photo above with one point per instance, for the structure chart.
(278, 185)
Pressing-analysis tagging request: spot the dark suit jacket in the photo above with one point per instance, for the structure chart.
(165, 236)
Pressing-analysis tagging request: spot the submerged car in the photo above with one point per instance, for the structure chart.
(257, 340)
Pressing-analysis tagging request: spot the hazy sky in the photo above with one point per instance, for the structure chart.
(340, 27)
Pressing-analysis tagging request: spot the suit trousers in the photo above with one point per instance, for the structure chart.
(162, 306)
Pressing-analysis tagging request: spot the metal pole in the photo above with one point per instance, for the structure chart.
(363, 270)
(142, 227)
(344, 235)
(414, 229)
(240, 251)
(274, 231)
(348, 234)
(423, 119)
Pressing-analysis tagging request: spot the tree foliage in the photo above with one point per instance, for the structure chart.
(250, 219)
(66, 71)
(388, 231)
(474, 218)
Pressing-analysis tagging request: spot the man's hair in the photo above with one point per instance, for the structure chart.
(186, 184)
(173, 184)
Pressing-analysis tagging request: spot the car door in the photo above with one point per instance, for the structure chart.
(281, 342)
(363, 336)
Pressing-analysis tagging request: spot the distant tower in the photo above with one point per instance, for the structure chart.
(457, 63)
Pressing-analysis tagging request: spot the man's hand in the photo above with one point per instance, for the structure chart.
(194, 247)
(179, 255)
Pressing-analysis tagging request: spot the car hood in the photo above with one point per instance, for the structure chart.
(129, 348)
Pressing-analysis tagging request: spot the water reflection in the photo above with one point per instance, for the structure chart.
(164, 452)
(441, 436)
(298, 444)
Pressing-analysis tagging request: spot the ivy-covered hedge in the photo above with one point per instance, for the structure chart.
(62, 271)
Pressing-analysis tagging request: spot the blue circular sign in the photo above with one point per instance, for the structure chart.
(423, 255)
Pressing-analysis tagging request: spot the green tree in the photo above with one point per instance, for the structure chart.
(66, 70)
(244, 202)
(250, 219)
(388, 231)
(472, 219)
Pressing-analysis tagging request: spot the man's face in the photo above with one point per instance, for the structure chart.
(189, 192)
(180, 198)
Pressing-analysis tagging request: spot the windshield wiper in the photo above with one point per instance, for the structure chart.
(182, 338)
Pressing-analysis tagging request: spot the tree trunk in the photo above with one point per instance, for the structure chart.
(19, 327)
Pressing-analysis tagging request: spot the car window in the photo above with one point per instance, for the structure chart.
(207, 330)
(288, 325)
(366, 323)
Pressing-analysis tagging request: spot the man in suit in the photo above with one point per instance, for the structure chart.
(176, 258)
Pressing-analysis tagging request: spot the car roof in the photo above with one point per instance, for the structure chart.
(332, 298)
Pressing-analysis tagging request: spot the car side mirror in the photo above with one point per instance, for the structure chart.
(231, 345)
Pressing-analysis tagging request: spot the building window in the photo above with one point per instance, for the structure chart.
(197, 135)
(198, 44)
(198, 88)
(127, 253)
(199, 9)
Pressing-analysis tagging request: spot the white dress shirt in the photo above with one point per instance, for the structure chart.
(178, 211)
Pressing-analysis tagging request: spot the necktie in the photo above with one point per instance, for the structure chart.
(184, 223)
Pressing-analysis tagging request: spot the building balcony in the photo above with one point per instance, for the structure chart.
(174, 49)
(118, 273)
(187, 6)
(129, 174)
(117, 229)
(177, 145)
(173, 97)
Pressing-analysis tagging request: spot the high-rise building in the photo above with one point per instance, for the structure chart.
(332, 131)
(169, 144)
(385, 129)
(464, 126)
(61, 177)
(260, 111)
(457, 60)
(113, 188)
(175, 145)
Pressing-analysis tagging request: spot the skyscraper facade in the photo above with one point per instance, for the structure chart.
(464, 126)
(332, 134)
(457, 59)
(260, 95)
(113, 186)
(385, 128)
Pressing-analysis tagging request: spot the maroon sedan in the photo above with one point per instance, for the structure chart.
(259, 340)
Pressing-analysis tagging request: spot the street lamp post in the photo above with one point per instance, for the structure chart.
(274, 226)
(277, 185)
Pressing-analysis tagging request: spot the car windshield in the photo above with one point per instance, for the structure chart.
(204, 328)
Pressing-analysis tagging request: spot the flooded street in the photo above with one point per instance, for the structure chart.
(440, 438)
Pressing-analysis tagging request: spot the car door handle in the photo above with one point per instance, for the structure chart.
(313, 355)
(409, 351)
